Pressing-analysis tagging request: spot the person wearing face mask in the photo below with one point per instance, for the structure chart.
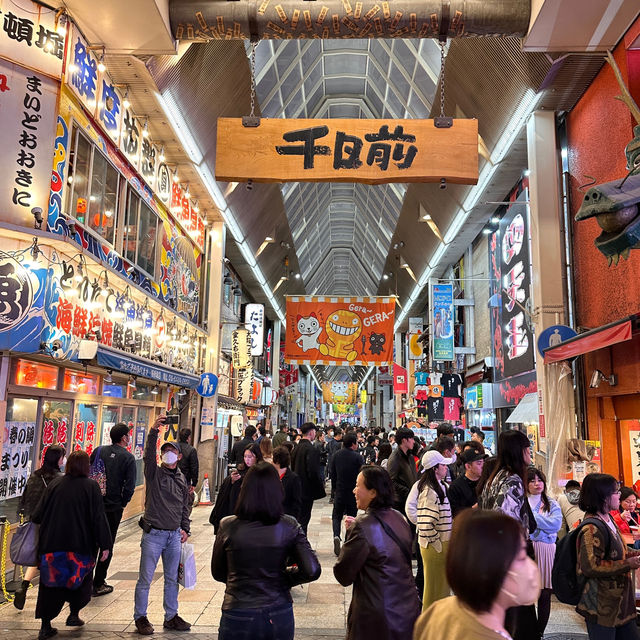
(428, 508)
(501, 576)
(608, 600)
(52, 466)
(165, 526)
(572, 514)
(120, 469)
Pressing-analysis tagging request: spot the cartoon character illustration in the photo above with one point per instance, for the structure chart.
(377, 341)
(309, 329)
(343, 328)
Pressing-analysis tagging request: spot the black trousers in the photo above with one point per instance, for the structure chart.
(305, 513)
(113, 518)
(342, 506)
(51, 599)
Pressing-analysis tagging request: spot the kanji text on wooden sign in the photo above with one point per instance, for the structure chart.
(368, 151)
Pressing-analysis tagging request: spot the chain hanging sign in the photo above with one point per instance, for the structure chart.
(347, 150)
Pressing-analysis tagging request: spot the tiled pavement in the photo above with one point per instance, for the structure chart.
(320, 608)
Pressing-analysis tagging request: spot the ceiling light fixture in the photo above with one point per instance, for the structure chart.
(108, 378)
(267, 241)
(156, 390)
(161, 156)
(145, 128)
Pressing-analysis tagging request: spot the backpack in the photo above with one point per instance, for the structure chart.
(98, 472)
(567, 584)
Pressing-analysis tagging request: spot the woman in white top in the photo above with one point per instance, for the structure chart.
(428, 508)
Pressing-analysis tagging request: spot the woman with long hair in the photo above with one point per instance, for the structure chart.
(429, 509)
(489, 572)
(73, 527)
(608, 602)
(505, 492)
(260, 553)
(52, 464)
(230, 488)
(548, 516)
(266, 449)
(384, 451)
(376, 560)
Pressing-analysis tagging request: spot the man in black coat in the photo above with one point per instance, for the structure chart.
(120, 469)
(462, 491)
(305, 461)
(345, 466)
(188, 463)
(333, 446)
(237, 452)
(402, 468)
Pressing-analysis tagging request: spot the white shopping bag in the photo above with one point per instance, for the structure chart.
(187, 567)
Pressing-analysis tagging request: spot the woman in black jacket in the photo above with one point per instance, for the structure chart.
(260, 554)
(230, 489)
(376, 560)
(290, 482)
(73, 527)
(38, 481)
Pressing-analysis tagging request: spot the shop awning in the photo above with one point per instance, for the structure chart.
(127, 363)
(593, 340)
(526, 411)
(225, 402)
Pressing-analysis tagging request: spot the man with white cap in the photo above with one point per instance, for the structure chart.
(428, 508)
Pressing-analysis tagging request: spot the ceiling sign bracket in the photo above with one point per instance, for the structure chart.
(441, 121)
(252, 120)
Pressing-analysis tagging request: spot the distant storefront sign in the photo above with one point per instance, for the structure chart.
(442, 321)
(254, 323)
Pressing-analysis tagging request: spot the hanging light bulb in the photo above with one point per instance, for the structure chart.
(175, 175)
(145, 129)
(156, 390)
(125, 102)
(161, 157)
(101, 67)
(79, 274)
(132, 383)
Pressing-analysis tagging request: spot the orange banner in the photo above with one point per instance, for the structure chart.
(339, 331)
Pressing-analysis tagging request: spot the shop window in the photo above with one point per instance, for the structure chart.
(143, 392)
(114, 390)
(56, 425)
(142, 426)
(110, 417)
(141, 230)
(80, 382)
(18, 443)
(85, 430)
(33, 374)
(94, 186)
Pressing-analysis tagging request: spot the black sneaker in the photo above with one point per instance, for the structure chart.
(177, 624)
(102, 590)
(47, 633)
(74, 621)
(336, 545)
(144, 627)
(20, 596)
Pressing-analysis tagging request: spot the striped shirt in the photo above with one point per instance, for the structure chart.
(433, 520)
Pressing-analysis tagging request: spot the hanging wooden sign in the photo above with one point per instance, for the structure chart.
(368, 151)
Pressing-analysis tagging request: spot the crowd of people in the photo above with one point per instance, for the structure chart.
(480, 530)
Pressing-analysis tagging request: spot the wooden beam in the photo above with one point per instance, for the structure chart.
(367, 151)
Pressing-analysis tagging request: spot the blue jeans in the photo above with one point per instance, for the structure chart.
(154, 544)
(627, 631)
(257, 624)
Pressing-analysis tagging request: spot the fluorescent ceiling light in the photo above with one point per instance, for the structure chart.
(366, 375)
(178, 124)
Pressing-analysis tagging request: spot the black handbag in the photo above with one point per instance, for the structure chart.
(24, 545)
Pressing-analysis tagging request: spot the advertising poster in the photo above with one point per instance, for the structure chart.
(400, 380)
(339, 331)
(442, 321)
(15, 465)
(634, 442)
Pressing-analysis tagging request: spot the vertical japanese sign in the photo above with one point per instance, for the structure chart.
(513, 339)
(254, 323)
(15, 463)
(242, 365)
(28, 111)
(400, 380)
(29, 36)
(442, 321)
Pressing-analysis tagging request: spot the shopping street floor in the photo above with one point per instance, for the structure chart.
(320, 608)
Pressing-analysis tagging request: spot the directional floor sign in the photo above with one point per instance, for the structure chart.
(208, 385)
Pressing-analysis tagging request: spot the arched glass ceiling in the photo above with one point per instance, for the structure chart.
(342, 232)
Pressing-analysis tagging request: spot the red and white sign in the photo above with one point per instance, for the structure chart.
(400, 380)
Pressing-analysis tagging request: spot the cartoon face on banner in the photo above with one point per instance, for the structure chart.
(324, 330)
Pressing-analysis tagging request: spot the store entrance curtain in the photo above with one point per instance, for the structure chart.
(339, 331)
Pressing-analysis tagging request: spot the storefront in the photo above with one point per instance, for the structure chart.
(481, 412)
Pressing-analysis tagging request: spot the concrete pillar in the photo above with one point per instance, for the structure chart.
(207, 450)
(548, 291)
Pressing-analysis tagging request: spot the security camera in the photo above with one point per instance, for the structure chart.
(597, 377)
(37, 214)
(71, 227)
